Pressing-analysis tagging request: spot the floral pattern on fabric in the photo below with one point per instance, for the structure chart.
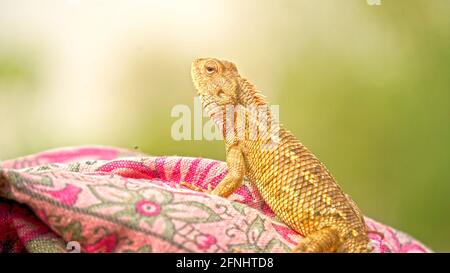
(115, 200)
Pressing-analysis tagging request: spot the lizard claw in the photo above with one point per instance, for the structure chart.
(237, 250)
(196, 188)
(209, 189)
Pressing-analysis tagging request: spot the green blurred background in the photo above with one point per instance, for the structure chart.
(365, 87)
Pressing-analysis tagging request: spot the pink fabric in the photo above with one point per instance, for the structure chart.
(115, 200)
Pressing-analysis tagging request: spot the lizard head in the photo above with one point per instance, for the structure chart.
(215, 81)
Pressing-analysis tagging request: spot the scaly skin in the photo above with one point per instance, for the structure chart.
(291, 180)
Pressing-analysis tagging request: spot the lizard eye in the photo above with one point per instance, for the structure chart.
(211, 67)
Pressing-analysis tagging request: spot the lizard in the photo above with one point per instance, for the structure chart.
(291, 180)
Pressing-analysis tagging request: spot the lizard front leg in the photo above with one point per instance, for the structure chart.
(236, 172)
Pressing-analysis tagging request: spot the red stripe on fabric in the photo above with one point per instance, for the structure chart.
(192, 170)
(201, 179)
(176, 172)
(127, 168)
(218, 178)
(160, 167)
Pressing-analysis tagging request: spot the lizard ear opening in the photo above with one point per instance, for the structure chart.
(220, 93)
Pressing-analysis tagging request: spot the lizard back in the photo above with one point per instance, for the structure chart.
(301, 191)
(291, 180)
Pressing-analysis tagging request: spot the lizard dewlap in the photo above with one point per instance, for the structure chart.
(291, 180)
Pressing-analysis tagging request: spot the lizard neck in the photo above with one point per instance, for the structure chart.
(252, 119)
(255, 105)
(249, 112)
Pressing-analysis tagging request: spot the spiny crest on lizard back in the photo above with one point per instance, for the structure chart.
(219, 82)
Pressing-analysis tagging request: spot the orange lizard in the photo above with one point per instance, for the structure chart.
(291, 180)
